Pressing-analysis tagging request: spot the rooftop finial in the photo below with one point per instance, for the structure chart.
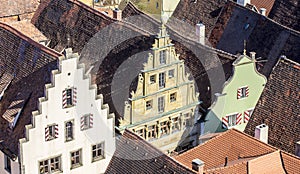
(245, 42)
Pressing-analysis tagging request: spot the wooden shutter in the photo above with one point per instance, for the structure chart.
(91, 120)
(47, 133)
(225, 122)
(239, 118)
(239, 93)
(247, 91)
(247, 116)
(64, 98)
(56, 131)
(82, 122)
(74, 96)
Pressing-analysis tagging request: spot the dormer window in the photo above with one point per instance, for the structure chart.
(243, 92)
(162, 57)
(69, 97)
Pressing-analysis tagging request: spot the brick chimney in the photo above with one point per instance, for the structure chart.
(263, 11)
(261, 132)
(200, 32)
(297, 151)
(198, 166)
(117, 14)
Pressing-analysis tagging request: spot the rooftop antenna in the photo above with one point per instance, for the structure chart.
(245, 44)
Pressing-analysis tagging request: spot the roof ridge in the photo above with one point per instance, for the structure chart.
(225, 167)
(29, 40)
(158, 150)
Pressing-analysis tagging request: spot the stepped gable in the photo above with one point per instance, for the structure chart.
(25, 69)
(134, 155)
(267, 38)
(287, 13)
(278, 107)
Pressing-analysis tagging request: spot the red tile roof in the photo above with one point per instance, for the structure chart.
(244, 154)
(134, 155)
(267, 4)
(278, 107)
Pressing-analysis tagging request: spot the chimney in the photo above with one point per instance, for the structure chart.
(198, 165)
(297, 151)
(243, 2)
(200, 32)
(252, 55)
(261, 133)
(117, 14)
(263, 11)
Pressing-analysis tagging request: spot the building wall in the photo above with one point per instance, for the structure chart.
(15, 167)
(245, 74)
(35, 148)
(179, 112)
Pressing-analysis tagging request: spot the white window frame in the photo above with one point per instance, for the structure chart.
(162, 57)
(164, 128)
(49, 164)
(73, 156)
(152, 79)
(171, 73)
(232, 120)
(161, 104)
(67, 138)
(162, 80)
(99, 150)
(152, 132)
(175, 124)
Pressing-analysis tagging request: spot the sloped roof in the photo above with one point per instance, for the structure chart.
(30, 65)
(194, 12)
(134, 155)
(267, 4)
(10, 8)
(278, 107)
(287, 13)
(267, 38)
(244, 154)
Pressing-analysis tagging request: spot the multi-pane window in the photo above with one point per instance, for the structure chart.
(69, 97)
(162, 57)
(152, 79)
(171, 73)
(7, 164)
(152, 132)
(161, 104)
(161, 79)
(69, 130)
(173, 97)
(149, 104)
(175, 124)
(50, 165)
(243, 92)
(86, 122)
(164, 129)
(231, 120)
(76, 158)
(98, 151)
(51, 132)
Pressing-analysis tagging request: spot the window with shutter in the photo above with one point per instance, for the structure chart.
(69, 97)
(86, 121)
(51, 132)
(243, 92)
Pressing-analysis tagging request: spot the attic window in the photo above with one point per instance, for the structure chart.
(69, 97)
(243, 92)
(51, 132)
(162, 57)
(86, 121)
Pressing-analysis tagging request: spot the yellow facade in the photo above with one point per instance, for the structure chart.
(162, 108)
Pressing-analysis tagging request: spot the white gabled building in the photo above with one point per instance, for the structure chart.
(72, 132)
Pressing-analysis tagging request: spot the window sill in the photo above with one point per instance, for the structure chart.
(98, 158)
(74, 166)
